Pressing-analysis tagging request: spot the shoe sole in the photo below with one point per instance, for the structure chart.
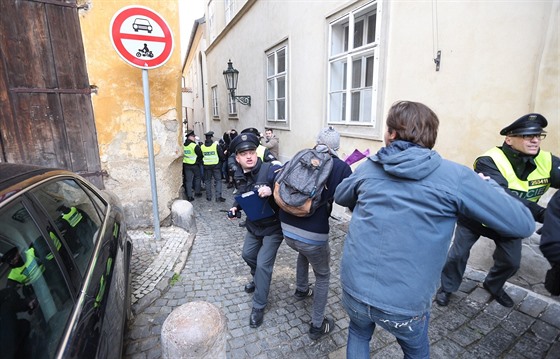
(309, 295)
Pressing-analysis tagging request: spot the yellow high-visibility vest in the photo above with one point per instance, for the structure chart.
(189, 155)
(210, 154)
(537, 182)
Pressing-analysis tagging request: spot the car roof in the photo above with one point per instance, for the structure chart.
(14, 173)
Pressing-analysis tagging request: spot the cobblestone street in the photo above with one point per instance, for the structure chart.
(472, 326)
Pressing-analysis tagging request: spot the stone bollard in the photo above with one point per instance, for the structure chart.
(194, 330)
(182, 215)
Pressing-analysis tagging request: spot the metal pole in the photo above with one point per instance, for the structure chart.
(146, 86)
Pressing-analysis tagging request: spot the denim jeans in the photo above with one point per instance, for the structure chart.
(411, 332)
(319, 258)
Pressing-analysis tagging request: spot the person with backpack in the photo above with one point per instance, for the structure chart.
(255, 179)
(309, 234)
(405, 201)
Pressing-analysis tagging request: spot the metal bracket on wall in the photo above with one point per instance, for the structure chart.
(437, 60)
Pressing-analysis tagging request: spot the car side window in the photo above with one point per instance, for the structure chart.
(35, 301)
(77, 213)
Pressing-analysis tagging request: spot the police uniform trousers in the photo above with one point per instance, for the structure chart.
(191, 173)
(259, 252)
(213, 172)
(507, 258)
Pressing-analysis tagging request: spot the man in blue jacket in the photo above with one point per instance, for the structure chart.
(405, 201)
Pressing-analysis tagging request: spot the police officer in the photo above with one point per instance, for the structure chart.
(264, 235)
(524, 171)
(77, 227)
(25, 266)
(192, 157)
(212, 158)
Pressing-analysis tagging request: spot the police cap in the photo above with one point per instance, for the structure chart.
(244, 142)
(252, 130)
(209, 134)
(530, 124)
(190, 133)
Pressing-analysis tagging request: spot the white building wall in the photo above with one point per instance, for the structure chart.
(499, 61)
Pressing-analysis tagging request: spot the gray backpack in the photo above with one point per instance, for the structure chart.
(299, 185)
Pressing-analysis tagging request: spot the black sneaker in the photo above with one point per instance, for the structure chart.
(316, 333)
(299, 295)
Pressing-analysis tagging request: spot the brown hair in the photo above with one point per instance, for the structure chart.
(413, 122)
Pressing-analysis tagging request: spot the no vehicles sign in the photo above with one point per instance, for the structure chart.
(141, 37)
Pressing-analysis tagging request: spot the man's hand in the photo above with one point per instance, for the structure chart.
(484, 177)
(265, 191)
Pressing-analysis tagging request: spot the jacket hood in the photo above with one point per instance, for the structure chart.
(407, 160)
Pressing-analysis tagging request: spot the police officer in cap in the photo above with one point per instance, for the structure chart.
(212, 158)
(524, 171)
(264, 235)
(192, 158)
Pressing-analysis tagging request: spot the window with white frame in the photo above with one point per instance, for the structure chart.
(211, 20)
(229, 9)
(277, 84)
(353, 66)
(215, 112)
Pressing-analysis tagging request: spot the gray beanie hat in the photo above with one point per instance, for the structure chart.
(330, 137)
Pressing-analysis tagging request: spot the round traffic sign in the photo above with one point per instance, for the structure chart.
(141, 37)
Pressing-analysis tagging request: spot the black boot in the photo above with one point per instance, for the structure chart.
(256, 318)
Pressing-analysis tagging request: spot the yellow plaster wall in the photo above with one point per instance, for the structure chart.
(119, 110)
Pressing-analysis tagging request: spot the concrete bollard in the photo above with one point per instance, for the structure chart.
(182, 215)
(194, 330)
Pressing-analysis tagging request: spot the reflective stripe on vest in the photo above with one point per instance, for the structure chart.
(537, 182)
(73, 217)
(57, 243)
(189, 155)
(260, 152)
(29, 272)
(210, 154)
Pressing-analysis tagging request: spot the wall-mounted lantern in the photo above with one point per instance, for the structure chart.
(231, 75)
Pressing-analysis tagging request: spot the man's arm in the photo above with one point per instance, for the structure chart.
(487, 166)
(198, 152)
(488, 203)
(270, 143)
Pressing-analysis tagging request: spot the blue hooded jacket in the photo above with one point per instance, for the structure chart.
(405, 201)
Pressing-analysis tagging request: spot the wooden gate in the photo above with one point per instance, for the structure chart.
(46, 115)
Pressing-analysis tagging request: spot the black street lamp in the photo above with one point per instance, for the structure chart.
(231, 76)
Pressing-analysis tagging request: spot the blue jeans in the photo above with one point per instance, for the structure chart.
(319, 258)
(411, 332)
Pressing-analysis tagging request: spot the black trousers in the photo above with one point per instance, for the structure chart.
(507, 258)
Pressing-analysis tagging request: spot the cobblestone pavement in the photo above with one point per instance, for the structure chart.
(210, 268)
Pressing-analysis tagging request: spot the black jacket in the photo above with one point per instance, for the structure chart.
(261, 174)
(550, 234)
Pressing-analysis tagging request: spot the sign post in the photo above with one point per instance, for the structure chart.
(143, 39)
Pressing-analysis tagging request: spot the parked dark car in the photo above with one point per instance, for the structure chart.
(64, 267)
